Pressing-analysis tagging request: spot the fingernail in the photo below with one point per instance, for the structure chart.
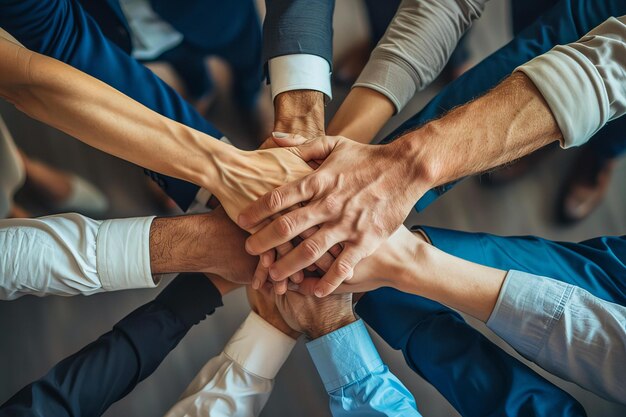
(255, 284)
(319, 293)
(249, 249)
(273, 274)
(293, 287)
(280, 135)
(265, 260)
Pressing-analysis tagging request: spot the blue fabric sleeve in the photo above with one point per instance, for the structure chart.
(62, 30)
(89, 381)
(596, 265)
(355, 377)
(474, 375)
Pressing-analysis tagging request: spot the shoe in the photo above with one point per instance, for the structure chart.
(84, 198)
(585, 188)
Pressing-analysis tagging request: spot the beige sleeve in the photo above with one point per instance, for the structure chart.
(583, 82)
(417, 46)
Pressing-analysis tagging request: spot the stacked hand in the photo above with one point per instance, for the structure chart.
(358, 197)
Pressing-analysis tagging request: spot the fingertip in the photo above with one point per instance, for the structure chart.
(266, 260)
(243, 221)
(298, 277)
(249, 247)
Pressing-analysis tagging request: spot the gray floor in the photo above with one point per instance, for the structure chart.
(36, 333)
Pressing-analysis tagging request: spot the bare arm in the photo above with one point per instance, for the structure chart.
(363, 193)
(101, 116)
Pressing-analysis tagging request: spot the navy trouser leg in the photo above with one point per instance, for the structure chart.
(86, 383)
(564, 23)
(62, 30)
(243, 54)
(474, 375)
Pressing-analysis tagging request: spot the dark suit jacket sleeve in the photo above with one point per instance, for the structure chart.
(62, 30)
(473, 374)
(89, 381)
(298, 27)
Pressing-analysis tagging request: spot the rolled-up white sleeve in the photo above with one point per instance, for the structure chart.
(299, 72)
(71, 254)
(565, 330)
(238, 382)
(583, 82)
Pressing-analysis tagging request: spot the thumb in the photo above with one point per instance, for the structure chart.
(316, 149)
(288, 139)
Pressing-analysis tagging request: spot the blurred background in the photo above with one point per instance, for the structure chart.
(37, 333)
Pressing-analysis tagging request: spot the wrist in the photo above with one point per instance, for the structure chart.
(215, 155)
(416, 271)
(419, 152)
(361, 115)
(180, 244)
(300, 112)
(322, 328)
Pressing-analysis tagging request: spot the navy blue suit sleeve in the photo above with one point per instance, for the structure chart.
(474, 375)
(298, 27)
(596, 265)
(89, 381)
(62, 30)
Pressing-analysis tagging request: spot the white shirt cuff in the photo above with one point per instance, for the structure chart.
(299, 72)
(259, 348)
(123, 254)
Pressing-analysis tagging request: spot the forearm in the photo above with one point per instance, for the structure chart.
(300, 112)
(509, 122)
(101, 116)
(208, 243)
(410, 264)
(361, 115)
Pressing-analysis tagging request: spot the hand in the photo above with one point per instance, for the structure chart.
(247, 175)
(386, 267)
(261, 273)
(222, 285)
(313, 316)
(360, 195)
(262, 302)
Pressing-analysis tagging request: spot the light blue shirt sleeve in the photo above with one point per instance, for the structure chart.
(566, 330)
(355, 377)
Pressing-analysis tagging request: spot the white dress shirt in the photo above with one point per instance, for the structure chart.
(583, 82)
(71, 254)
(565, 330)
(299, 72)
(238, 382)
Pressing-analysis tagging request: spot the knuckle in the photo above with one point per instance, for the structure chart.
(330, 204)
(316, 183)
(284, 226)
(273, 200)
(343, 268)
(311, 249)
